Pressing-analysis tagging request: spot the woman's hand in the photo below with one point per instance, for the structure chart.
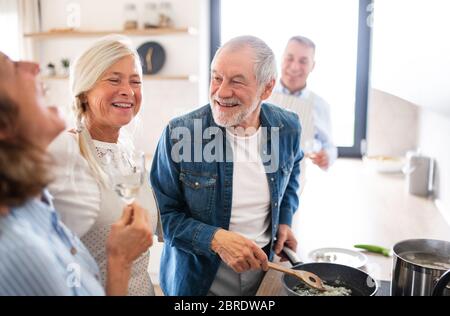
(3, 210)
(130, 236)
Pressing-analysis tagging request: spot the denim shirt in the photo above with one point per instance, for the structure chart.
(194, 192)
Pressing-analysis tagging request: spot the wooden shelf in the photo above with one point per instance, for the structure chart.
(146, 77)
(163, 77)
(139, 32)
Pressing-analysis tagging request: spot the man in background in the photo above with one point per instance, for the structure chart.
(298, 62)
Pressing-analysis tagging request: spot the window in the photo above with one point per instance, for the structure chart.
(9, 29)
(342, 37)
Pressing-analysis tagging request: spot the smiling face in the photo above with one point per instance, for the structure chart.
(298, 62)
(36, 122)
(115, 99)
(235, 96)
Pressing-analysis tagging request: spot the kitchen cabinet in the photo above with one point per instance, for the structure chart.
(411, 51)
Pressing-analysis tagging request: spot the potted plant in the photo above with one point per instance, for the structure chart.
(65, 63)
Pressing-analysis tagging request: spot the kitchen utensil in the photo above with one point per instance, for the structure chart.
(385, 164)
(419, 172)
(343, 256)
(306, 277)
(359, 282)
(421, 268)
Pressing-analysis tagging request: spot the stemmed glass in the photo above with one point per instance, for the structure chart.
(311, 147)
(126, 172)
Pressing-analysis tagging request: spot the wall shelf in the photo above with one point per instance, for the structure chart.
(139, 32)
(146, 77)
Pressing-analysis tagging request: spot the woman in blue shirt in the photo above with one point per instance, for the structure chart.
(38, 254)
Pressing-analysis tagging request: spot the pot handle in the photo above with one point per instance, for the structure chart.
(442, 284)
(292, 256)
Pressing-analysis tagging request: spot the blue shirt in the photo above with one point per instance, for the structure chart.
(194, 193)
(40, 256)
(322, 120)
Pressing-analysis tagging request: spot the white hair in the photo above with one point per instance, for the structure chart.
(84, 74)
(265, 67)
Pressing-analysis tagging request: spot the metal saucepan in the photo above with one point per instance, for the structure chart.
(421, 268)
(359, 282)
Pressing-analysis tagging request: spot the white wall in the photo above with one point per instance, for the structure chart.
(392, 125)
(434, 141)
(411, 51)
(185, 55)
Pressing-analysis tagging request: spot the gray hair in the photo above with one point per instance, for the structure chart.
(84, 74)
(265, 67)
(303, 40)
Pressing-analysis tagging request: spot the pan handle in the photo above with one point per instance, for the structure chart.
(442, 284)
(292, 256)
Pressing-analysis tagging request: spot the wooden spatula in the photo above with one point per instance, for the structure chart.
(306, 277)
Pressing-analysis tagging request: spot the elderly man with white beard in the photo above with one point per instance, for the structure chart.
(226, 179)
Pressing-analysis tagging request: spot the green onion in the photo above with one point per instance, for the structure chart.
(377, 249)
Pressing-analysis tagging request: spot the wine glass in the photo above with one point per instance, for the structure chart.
(312, 146)
(126, 171)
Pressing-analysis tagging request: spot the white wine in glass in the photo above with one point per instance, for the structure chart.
(127, 192)
(127, 175)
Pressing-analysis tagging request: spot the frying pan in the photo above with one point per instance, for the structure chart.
(359, 282)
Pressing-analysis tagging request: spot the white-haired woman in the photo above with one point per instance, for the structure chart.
(106, 83)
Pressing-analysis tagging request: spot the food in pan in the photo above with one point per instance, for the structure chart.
(303, 290)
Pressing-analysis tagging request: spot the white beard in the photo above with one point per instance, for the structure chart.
(235, 118)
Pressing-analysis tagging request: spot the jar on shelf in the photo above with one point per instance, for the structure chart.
(165, 14)
(131, 17)
(151, 15)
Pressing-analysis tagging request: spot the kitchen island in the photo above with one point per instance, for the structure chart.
(352, 204)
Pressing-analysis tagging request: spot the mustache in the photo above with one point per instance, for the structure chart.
(227, 101)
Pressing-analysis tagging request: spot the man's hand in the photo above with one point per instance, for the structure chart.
(238, 252)
(285, 237)
(320, 159)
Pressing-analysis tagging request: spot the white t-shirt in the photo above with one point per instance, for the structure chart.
(250, 211)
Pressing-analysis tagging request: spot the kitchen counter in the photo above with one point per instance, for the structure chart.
(351, 204)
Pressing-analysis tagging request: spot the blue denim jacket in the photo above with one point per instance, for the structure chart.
(194, 194)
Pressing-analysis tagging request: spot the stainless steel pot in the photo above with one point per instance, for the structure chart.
(413, 277)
